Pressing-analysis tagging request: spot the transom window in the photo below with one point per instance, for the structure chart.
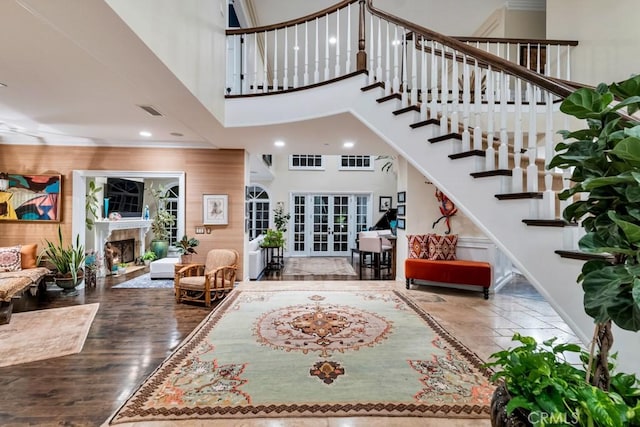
(306, 161)
(356, 162)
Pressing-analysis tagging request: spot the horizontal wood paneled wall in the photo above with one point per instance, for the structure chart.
(206, 171)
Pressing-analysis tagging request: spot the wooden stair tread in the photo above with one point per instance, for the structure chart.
(497, 172)
(464, 154)
(516, 196)
(372, 86)
(446, 137)
(406, 110)
(424, 123)
(585, 256)
(549, 223)
(388, 98)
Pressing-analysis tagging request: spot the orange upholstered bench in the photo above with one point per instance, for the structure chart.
(458, 272)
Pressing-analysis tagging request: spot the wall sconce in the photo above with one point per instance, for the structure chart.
(4, 181)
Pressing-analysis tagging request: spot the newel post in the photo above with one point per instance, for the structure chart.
(361, 57)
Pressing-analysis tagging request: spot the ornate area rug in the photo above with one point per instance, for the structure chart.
(302, 352)
(318, 265)
(145, 281)
(45, 334)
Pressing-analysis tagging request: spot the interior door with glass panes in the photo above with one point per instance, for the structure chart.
(330, 225)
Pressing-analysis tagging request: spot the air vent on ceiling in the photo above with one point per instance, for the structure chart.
(151, 110)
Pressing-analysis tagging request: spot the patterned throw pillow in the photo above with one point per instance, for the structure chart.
(418, 245)
(442, 248)
(10, 259)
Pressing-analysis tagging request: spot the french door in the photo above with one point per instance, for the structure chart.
(326, 224)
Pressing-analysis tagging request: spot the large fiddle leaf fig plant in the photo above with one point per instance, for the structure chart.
(605, 158)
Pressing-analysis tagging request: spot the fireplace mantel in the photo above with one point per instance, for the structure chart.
(104, 228)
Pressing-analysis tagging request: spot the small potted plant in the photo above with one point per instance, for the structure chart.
(122, 268)
(186, 247)
(273, 239)
(148, 256)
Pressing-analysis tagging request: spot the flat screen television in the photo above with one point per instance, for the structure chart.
(125, 197)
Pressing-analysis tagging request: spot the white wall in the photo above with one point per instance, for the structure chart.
(607, 33)
(188, 36)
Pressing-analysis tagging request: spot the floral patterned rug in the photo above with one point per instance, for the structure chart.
(302, 352)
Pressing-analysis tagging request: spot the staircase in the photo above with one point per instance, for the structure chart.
(478, 125)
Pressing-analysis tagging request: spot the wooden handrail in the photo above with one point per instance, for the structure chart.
(495, 61)
(514, 41)
(292, 22)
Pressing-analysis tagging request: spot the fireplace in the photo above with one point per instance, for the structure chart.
(126, 248)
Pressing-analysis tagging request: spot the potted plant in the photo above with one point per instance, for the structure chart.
(122, 268)
(186, 249)
(273, 239)
(91, 204)
(540, 385)
(68, 262)
(148, 256)
(605, 158)
(280, 218)
(161, 220)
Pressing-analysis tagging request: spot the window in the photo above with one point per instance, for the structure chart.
(258, 205)
(306, 161)
(171, 205)
(356, 162)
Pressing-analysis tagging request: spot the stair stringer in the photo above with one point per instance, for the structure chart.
(531, 249)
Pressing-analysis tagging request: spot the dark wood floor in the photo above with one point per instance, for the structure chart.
(133, 332)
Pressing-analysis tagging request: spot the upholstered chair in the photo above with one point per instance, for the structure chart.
(210, 281)
(378, 248)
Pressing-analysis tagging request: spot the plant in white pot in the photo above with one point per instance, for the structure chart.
(68, 261)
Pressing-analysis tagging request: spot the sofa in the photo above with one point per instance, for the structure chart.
(256, 257)
(18, 272)
(432, 259)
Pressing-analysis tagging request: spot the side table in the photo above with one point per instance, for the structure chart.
(273, 258)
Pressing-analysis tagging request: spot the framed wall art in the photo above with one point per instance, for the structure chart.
(215, 209)
(385, 203)
(402, 197)
(401, 210)
(31, 198)
(401, 224)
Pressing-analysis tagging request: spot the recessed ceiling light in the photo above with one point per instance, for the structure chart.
(279, 143)
(348, 145)
(332, 40)
(145, 133)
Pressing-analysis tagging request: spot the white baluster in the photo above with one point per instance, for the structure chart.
(337, 66)
(387, 83)
(305, 77)
(275, 60)
(424, 89)
(285, 52)
(549, 197)
(517, 130)
(326, 48)
(444, 99)
(372, 49)
(347, 65)
(296, 50)
(466, 97)
(517, 175)
(316, 73)
(491, 105)
(414, 71)
(255, 63)
(532, 169)
(405, 92)
(455, 94)
(568, 63)
(503, 151)
(396, 62)
(477, 107)
(434, 81)
(265, 75)
(379, 68)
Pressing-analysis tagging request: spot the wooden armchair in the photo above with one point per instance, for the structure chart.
(210, 281)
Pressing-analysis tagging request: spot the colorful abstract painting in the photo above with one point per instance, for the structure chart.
(31, 198)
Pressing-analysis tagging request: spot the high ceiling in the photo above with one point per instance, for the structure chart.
(73, 73)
